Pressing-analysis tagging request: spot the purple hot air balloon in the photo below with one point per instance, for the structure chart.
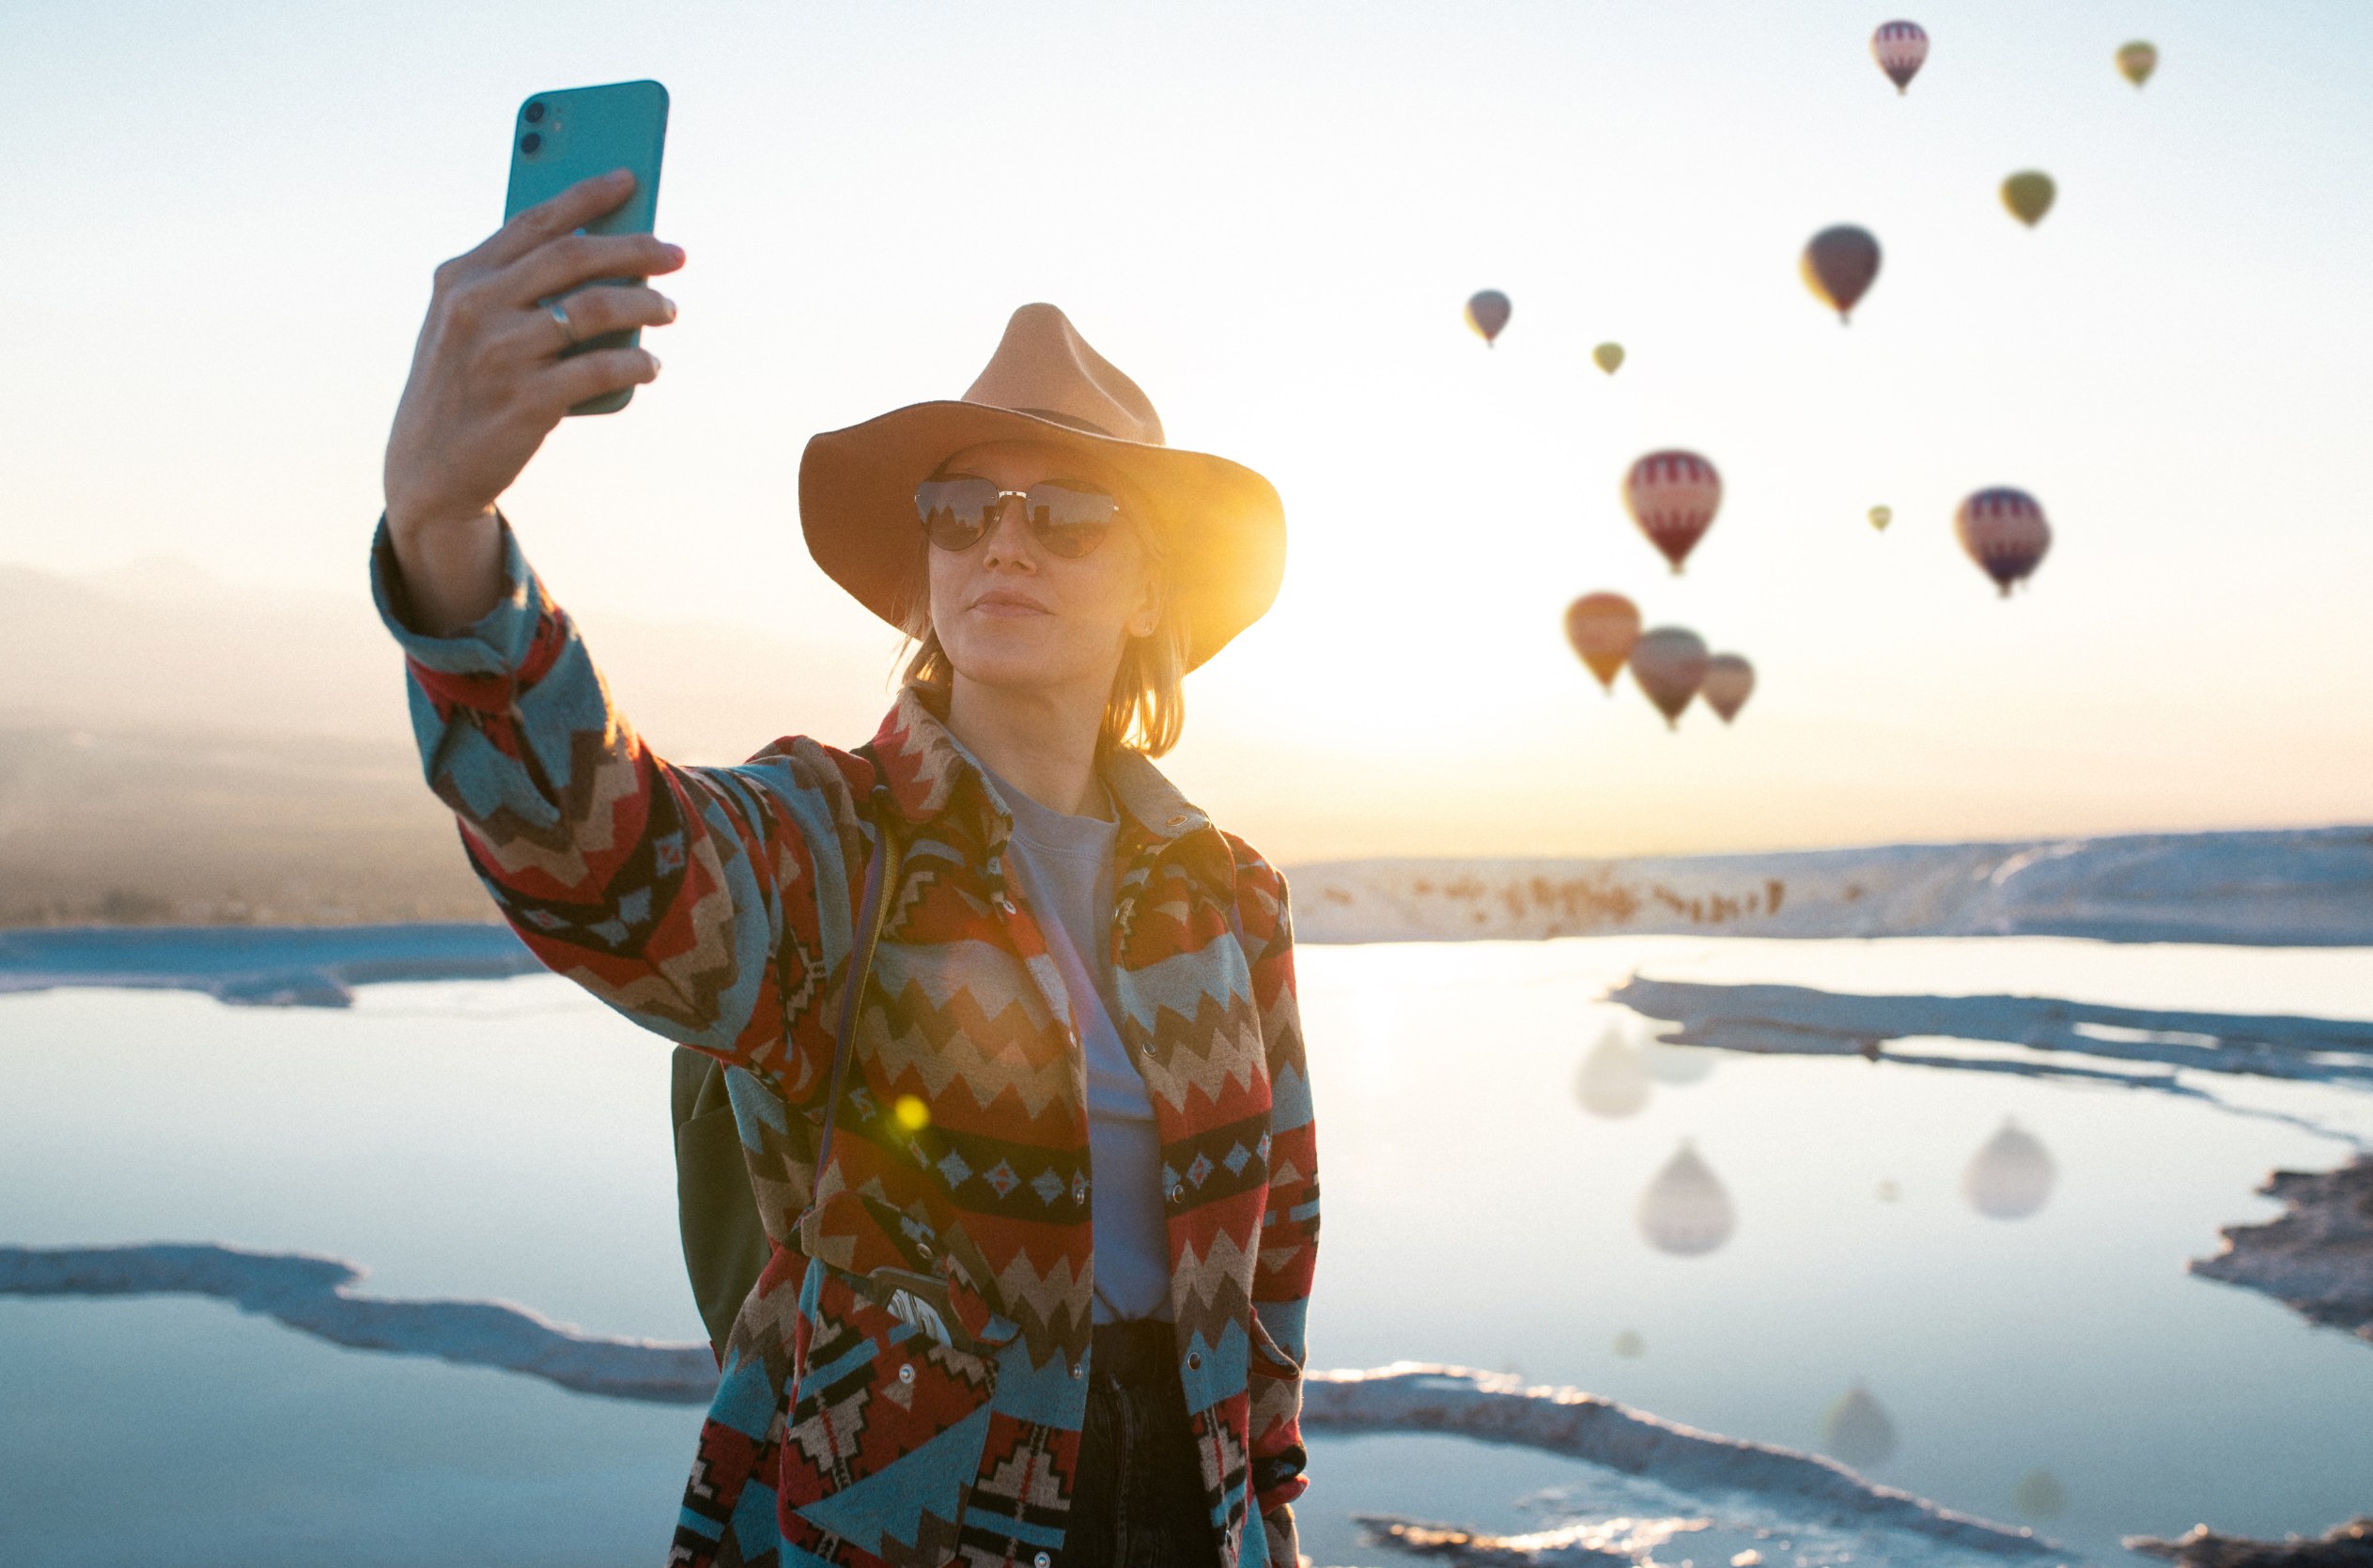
(2005, 533)
(1840, 264)
(1488, 313)
(1901, 48)
(1669, 664)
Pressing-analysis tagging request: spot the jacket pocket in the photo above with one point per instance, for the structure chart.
(873, 1388)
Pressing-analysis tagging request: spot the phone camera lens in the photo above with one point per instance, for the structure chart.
(535, 113)
(529, 143)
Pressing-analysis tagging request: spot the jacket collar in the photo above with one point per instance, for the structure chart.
(929, 774)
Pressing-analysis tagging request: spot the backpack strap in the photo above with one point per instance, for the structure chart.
(881, 879)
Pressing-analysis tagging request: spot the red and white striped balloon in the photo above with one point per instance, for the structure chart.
(2003, 530)
(1673, 497)
(1901, 48)
(1669, 664)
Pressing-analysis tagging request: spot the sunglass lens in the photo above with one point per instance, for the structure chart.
(954, 512)
(1070, 522)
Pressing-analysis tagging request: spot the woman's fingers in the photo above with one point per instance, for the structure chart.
(571, 381)
(564, 214)
(536, 334)
(574, 260)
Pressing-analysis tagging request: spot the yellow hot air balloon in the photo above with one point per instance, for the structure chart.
(1602, 627)
(1608, 357)
(2028, 194)
(1881, 517)
(2137, 60)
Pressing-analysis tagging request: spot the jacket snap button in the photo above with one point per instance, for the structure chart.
(906, 1374)
(1078, 1369)
(922, 1249)
(1194, 1360)
(1042, 1560)
(1178, 1194)
(1005, 904)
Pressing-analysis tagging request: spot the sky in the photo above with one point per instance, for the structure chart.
(1269, 215)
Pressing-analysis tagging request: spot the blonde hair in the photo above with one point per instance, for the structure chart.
(1146, 707)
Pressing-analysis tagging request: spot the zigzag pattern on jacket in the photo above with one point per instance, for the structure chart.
(716, 906)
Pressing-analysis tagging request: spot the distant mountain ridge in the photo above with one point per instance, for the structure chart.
(2290, 888)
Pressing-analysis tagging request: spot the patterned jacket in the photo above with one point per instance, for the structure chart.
(907, 1385)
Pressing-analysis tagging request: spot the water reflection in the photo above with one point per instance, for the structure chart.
(1856, 1430)
(2040, 1496)
(1678, 1065)
(2011, 1177)
(1613, 1081)
(1686, 1210)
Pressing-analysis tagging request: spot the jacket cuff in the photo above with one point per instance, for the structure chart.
(496, 645)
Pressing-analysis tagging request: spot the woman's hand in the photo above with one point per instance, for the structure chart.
(488, 384)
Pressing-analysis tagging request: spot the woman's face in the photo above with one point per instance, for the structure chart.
(1010, 613)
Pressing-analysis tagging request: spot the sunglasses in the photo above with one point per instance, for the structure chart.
(1067, 523)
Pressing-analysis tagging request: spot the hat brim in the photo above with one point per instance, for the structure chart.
(1223, 525)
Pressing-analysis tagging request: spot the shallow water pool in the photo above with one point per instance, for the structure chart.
(1834, 1285)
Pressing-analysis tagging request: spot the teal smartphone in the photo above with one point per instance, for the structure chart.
(563, 137)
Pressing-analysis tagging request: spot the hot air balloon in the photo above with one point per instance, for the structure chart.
(1857, 1429)
(1608, 357)
(1628, 1344)
(1673, 497)
(1612, 1083)
(2028, 194)
(1730, 681)
(2003, 530)
(1670, 663)
(1487, 313)
(2012, 1177)
(1881, 517)
(1901, 48)
(1602, 627)
(1838, 264)
(2137, 60)
(1685, 1211)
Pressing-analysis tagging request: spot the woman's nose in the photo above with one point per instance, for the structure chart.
(1004, 544)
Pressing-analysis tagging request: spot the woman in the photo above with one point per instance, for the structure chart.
(962, 1346)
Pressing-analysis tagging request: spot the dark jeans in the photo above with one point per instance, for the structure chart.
(1139, 1502)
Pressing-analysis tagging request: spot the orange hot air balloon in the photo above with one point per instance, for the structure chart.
(1673, 497)
(2136, 61)
(1488, 313)
(2003, 530)
(1901, 48)
(1730, 681)
(1602, 627)
(1608, 357)
(1670, 663)
(1839, 265)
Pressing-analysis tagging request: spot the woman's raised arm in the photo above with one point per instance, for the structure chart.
(488, 384)
(669, 893)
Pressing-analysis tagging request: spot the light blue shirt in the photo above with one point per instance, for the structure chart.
(1064, 866)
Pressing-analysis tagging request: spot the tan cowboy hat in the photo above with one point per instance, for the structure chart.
(1223, 527)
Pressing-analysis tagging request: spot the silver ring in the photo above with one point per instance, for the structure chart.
(559, 318)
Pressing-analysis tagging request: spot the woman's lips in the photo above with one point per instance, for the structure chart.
(1007, 606)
